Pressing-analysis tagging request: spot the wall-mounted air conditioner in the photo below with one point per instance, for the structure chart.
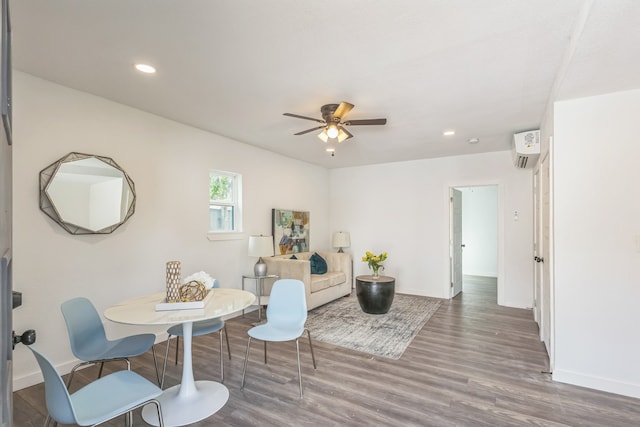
(526, 148)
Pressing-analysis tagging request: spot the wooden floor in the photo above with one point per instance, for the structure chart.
(473, 364)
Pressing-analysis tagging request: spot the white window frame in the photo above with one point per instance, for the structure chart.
(236, 203)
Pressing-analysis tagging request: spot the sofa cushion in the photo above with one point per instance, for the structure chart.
(318, 264)
(324, 281)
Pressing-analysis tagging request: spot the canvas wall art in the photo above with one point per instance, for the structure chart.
(290, 231)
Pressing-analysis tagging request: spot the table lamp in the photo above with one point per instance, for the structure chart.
(341, 239)
(260, 246)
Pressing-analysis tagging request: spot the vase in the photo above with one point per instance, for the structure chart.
(173, 281)
(375, 274)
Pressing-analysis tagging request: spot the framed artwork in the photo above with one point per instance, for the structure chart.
(290, 231)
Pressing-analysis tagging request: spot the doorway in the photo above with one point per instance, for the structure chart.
(473, 234)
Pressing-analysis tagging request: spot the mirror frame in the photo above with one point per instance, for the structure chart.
(48, 207)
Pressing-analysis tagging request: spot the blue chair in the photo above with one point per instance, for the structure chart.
(199, 328)
(89, 341)
(99, 401)
(286, 315)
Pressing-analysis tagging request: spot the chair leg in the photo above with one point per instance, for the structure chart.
(265, 352)
(164, 365)
(48, 419)
(128, 418)
(155, 364)
(299, 370)
(246, 359)
(226, 335)
(313, 356)
(221, 358)
(101, 368)
(177, 347)
(159, 411)
(73, 371)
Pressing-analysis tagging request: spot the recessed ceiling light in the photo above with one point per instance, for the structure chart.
(145, 68)
(449, 132)
(474, 140)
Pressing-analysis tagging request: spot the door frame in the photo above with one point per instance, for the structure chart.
(500, 219)
(548, 264)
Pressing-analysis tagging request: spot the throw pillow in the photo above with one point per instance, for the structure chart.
(293, 257)
(318, 264)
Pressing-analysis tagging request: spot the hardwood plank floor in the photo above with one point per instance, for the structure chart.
(473, 364)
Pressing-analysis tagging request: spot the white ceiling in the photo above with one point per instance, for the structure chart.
(486, 68)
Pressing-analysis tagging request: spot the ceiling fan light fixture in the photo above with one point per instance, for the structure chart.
(333, 127)
(332, 131)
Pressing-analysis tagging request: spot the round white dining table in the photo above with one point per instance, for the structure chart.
(190, 401)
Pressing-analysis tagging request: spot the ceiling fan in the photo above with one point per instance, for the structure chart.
(333, 122)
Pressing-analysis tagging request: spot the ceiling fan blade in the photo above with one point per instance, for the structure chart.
(309, 130)
(365, 122)
(297, 116)
(343, 109)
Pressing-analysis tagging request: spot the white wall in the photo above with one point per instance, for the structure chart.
(480, 230)
(597, 242)
(403, 208)
(169, 164)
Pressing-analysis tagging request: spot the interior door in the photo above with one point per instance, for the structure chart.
(455, 241)
(537, 253)
(547, 295)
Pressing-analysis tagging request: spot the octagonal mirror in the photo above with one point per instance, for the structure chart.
(87, 194)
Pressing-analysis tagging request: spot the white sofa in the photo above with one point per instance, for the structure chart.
(320, 288)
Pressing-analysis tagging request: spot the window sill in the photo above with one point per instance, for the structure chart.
(225, 236)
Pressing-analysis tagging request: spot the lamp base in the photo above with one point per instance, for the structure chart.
(340, 251)
(260, 269)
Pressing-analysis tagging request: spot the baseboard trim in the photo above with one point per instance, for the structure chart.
(597, 383)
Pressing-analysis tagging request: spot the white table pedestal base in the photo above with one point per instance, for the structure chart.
(178, 410)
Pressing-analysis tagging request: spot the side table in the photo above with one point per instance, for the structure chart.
(260, 297)
(375, 295)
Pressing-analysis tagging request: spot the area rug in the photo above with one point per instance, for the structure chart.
(343, 323)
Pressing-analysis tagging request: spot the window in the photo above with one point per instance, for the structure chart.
(225, 197)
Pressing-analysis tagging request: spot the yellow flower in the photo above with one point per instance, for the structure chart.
(374, 261)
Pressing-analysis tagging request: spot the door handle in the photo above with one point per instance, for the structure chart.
(27, 338)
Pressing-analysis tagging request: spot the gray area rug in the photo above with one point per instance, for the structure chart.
(343, 323)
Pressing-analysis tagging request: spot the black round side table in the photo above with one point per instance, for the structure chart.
(375, 295)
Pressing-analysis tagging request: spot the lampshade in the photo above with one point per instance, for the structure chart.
(341, 239)
(260, 246)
